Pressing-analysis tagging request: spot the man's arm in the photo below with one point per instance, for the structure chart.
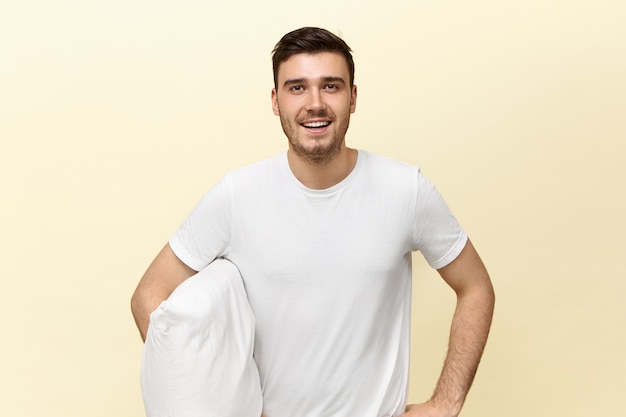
(469, 279)
(164, 274)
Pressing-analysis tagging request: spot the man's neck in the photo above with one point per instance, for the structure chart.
(322, 176)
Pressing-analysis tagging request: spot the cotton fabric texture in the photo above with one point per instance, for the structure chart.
(198, 356)
(328, 276)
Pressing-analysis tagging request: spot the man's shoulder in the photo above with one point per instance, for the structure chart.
(382, 164)
(257, 176)
(264, 166)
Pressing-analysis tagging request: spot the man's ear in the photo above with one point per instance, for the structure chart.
(275, 102)
(353, 100)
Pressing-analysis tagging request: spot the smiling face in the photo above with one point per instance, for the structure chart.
(314, 100)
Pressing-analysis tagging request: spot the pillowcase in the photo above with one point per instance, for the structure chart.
(198, 355)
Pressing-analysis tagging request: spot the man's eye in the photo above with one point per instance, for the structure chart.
(331, 86)
(296, 88)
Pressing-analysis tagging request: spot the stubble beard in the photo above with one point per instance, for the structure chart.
(320, 154)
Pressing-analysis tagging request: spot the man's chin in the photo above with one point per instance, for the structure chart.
(318, 155)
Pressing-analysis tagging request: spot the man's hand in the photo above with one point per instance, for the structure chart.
(427, 409)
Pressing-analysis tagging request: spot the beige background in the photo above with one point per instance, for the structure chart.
(117, 115)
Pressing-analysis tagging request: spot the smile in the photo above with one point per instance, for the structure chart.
(315, 125)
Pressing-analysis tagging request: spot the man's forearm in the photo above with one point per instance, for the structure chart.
(468, 335)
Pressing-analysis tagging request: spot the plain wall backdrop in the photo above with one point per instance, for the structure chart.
(116, 116)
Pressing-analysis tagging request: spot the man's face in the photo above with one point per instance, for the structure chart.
(314, 100)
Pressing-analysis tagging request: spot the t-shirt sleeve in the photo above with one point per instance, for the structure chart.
(205, 234)
(436, 234)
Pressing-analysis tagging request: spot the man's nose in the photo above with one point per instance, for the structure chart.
(315, 101)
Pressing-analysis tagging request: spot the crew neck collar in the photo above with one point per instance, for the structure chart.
(330, 190)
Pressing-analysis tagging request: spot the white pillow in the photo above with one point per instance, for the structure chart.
(197, 359)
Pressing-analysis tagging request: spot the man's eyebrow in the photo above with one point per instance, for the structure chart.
(293, 81)
(333, 80)
(327, 79)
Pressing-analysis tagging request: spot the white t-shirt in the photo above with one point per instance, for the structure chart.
(328, 276)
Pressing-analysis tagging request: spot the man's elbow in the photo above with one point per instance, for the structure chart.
(136, 303)
(490, 292)
(481, 296)
(141, 307)
(487, 298)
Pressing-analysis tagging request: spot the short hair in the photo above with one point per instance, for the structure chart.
(310, 40)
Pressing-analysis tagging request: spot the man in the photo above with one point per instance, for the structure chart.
(323, 235)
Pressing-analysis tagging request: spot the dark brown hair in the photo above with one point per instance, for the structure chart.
(310, 40)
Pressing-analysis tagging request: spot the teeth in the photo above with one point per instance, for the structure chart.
(315, 124)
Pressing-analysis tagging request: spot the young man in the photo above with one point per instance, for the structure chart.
(323, 235)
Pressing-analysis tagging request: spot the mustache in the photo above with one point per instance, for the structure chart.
(316, 114)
